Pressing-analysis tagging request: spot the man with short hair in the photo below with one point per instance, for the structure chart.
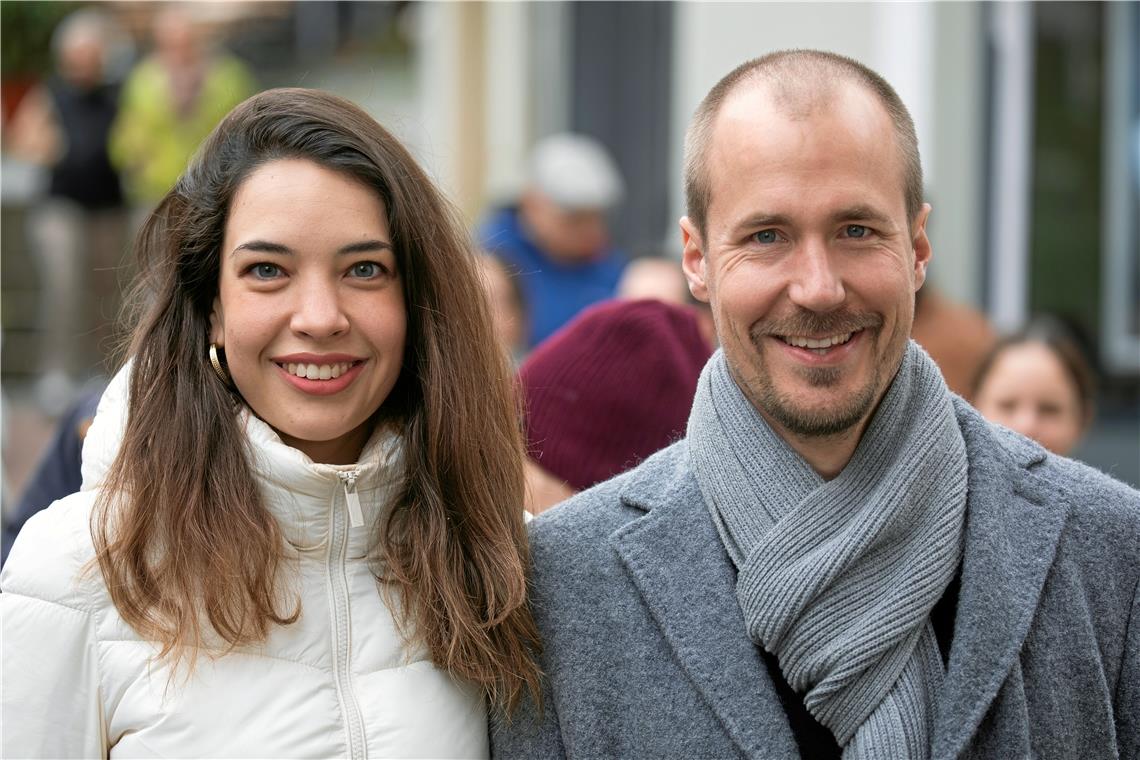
(841, 558)
(556, 238)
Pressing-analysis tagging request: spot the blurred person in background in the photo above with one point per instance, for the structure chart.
(557, 236)
(1038, 383)
(607, 390)
(653, 277)
(170, 102)
(661, 278)
(58, 472)
(507, 305)
(78, 232)
(956, 336)
(301, 528)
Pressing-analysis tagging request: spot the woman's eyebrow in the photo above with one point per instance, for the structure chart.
(364, 246)
(266, 246)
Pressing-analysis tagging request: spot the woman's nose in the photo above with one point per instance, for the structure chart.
(318, 312)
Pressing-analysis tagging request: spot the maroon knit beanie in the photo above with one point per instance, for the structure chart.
(610, 388)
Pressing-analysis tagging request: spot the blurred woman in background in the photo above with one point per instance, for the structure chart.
(301, 528)
(1038, 383)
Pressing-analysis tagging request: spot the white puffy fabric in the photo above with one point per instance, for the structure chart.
(340, 682)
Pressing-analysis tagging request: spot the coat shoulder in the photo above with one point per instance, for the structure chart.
(1096, 500)
(580, 526)
(1102, 514)
(607, 506)
(53, 556)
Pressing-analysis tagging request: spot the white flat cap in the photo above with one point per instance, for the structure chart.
(575, 172)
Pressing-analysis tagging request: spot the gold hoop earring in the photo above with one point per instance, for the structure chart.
(219, 368)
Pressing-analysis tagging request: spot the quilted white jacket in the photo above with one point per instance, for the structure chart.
(79, 682)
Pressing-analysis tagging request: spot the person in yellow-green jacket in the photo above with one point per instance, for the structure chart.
(170, 102)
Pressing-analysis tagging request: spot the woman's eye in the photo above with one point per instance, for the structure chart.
(264, 271)
(766, 237)
(857, 231)
(366, 269)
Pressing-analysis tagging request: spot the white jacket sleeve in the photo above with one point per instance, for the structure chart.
(50, 704)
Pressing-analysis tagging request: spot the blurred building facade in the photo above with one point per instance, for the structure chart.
(1028, 117)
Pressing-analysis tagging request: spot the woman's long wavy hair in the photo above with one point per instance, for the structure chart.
(187, 547)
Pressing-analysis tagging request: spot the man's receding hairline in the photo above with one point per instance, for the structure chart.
(797, 99)
(800, 83)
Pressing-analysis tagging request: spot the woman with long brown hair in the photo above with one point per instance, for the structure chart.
(301, 532)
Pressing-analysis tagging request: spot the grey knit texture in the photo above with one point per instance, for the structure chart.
(837, 578)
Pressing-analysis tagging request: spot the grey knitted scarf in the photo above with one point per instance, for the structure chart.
(837, 578)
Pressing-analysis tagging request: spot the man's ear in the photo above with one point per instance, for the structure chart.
(920, 243)
(217, 323)
(693, 260)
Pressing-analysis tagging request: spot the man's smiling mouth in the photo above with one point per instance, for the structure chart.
(818, 343)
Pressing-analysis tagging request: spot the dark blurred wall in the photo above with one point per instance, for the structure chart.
(621, 81)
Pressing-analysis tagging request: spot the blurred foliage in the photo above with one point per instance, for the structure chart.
(1066, 247)
(26, 28)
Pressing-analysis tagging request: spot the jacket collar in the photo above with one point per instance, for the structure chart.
(679, 566)
(300, 493)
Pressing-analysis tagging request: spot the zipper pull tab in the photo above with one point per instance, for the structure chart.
(355, 513)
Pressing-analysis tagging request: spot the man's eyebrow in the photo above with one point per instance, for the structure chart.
(764, 220)
(266, 246)
(861, 213)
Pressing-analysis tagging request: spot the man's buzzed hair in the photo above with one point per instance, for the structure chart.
(802, 81)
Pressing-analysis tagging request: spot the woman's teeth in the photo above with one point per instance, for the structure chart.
(318, 371)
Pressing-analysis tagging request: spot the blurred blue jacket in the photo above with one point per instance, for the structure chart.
(57, 474)
(553, 293)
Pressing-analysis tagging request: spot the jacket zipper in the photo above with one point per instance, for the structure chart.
(340, 612)
(355, 514)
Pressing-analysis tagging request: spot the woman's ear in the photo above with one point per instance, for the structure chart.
(217, 323)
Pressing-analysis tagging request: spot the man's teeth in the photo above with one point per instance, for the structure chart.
(318, 371)
(802, 342)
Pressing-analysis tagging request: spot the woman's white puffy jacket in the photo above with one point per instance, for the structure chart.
(79, 682)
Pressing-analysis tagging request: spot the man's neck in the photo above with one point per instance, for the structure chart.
(826, 454)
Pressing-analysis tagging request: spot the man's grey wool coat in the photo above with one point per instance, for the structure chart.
(646, 654)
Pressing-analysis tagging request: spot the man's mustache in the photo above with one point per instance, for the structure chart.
(812, 324)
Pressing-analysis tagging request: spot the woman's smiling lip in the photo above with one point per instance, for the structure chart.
(318, 359)
(345, 367)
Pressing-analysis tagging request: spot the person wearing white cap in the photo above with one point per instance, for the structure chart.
(557, 237)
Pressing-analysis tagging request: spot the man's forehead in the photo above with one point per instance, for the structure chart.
(761, 106)
(769, 157)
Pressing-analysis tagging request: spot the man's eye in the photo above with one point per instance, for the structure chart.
(265, 271)
(766, 237)
(857, 231)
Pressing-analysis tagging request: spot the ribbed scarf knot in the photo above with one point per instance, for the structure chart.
(837, 578)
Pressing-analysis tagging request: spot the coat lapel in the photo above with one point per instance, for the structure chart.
(1013, 524)
(680, 567)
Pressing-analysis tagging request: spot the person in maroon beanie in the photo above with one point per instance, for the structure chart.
(607, 390)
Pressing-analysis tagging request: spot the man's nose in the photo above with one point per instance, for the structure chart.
(318, 312)
(816, 284)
